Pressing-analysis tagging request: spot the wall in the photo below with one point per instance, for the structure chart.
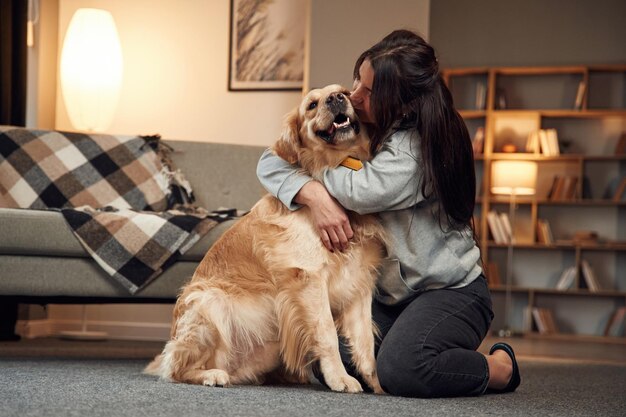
(42, 67)
(175, 84)
(176, 74)
(340, 32)
(529, 32)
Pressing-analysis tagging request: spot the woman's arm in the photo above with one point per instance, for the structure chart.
(281, 179)
(390, 181)
(295, 189)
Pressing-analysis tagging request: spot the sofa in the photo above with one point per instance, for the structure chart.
(42, 262)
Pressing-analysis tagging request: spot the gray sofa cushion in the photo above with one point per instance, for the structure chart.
(42, 232)
(43, 276)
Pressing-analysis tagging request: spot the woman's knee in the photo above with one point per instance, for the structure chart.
(404, 377)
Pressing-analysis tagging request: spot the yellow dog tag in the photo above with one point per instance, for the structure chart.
(352, 163)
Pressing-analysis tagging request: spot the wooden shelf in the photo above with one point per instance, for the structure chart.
(582, 203)
(603, 158)
(566, 337)
(599, 247)
(553, 92)
(565, 113)
(532, 246)
(554, 291)
(527, 156)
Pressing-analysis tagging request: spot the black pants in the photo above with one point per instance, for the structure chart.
(428, 346)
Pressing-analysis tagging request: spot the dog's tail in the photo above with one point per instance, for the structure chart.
(154, 367)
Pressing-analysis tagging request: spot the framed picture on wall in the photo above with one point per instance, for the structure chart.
(266, 45)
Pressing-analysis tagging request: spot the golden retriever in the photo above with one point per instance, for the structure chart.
(269, 299)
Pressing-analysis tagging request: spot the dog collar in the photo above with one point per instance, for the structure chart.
(352, 163)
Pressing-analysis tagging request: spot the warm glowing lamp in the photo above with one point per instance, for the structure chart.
(512, 178)
(91, 69)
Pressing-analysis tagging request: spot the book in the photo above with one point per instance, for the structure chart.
(541, 234)
(495, 229)
(553, 142)
(615, 324)
(544, 232)
(552, 190)
(478, 142)
(540, 324)
(506, 227)
(544, 320)
(559, 190)
(481, 96)
(580, 95)
(612, 188)
(569, 187)
(544, 146)
(589, 276)
(550, 321)
(563, 188)
(620, 191)
(544, 141)
(527, 319)
(532, 142)
(567, 279)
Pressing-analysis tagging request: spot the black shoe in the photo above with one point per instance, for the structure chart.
(515, 376)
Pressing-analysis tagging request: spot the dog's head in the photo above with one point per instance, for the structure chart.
(322, 131)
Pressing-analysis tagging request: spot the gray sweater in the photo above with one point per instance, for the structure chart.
(422, 256)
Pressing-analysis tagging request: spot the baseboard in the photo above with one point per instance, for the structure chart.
(115, 330)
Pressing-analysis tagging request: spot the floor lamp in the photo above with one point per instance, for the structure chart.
(91, 72)
(512, 178)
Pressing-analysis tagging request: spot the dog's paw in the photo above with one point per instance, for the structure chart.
(344, 383)
(216, 378)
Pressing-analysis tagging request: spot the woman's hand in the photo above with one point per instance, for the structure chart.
(329, 217)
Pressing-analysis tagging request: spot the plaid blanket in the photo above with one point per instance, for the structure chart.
(120, 195)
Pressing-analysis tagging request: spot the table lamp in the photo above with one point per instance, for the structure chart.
(91, 80)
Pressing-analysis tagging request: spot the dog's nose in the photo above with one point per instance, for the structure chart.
(339, 97)
(336, 102)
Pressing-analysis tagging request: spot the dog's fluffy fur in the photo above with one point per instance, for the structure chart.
(268, 298)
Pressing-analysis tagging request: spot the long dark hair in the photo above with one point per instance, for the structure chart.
(408, 91)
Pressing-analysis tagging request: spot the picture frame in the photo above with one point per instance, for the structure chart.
(267, 44)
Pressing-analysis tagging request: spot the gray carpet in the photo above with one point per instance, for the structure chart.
(53, 382)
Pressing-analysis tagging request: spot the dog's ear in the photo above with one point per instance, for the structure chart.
(288, 144)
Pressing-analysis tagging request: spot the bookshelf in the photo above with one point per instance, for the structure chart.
(586, 107)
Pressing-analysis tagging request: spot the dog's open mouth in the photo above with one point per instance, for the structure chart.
(341, 123)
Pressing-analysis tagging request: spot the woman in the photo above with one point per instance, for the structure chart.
(433, 307)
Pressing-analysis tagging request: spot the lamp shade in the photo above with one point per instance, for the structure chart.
(513, 177)
(91, 69)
